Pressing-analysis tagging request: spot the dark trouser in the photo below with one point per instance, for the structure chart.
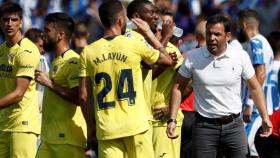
(209, 137)
(267, 147)
(186, 134)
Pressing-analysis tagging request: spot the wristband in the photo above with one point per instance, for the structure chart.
(172, 120)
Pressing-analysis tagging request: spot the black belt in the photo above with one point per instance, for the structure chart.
(220, 120)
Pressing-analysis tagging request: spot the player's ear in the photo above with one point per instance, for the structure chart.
(136, 15)
(120, 21)
(61, 35)
(228, 36)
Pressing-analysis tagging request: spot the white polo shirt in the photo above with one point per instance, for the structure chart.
(217, 80)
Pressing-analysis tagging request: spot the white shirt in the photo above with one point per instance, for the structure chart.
(271, 90)
(217, 80)
(43, 66)
(260, 52)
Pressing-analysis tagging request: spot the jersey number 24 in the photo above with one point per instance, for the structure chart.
(125, 77)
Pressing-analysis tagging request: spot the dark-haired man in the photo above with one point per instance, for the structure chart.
(19, 112)
(112, 65)
(63, 125)
(217, 98)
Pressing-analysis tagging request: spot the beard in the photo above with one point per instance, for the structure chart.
(241, 36)
(48, 45)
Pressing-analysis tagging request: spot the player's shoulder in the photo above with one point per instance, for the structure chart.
(100, 43)
(197, 52)
(71, 55)
(134, 35)
(5, 49)
(235, 49)
(237, 54)
(27, 44)
(97, 42)
(258, 40)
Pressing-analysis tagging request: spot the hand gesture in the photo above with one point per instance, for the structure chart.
(266, 128)
(174, 57)
(160, 113)
(170, 131)
(167, 29)
(142, 25)
(42, 78)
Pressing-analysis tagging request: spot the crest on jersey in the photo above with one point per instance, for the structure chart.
(128, 35)
(10, 57)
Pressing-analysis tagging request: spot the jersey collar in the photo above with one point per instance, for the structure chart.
(207, 54)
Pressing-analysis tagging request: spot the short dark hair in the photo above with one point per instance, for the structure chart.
(218, 18)
(250, 17)
(34, 34)
(63, 21)
(10, 7)
(165, 11)
(135, 6)
(109, 11)
(274, 40)
(81, 29)
(248, 13)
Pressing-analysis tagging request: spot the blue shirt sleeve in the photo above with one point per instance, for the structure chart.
(257, 52)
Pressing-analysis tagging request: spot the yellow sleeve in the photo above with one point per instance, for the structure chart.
(83, 64)
(170, 49)
(27, 63)
(149, 54)
(73, 72)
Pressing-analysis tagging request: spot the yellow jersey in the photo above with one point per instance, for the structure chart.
(21, 60)
(162, 85)
(113, 65)
(63, 121)
(146, 73)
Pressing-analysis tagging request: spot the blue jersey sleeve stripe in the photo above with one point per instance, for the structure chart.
(257, 52)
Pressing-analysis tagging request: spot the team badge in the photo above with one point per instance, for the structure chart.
(10, 57)
(128, 35)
